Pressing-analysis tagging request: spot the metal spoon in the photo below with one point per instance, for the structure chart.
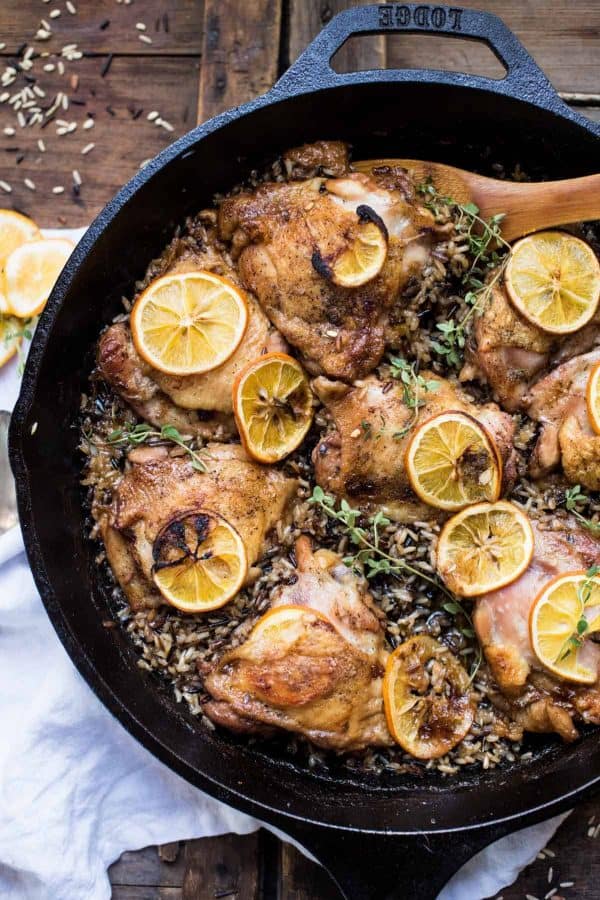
(8, 499)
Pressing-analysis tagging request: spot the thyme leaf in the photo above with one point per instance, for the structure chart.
(488, 250)
(573, 496)
(134, 435)
(413, 385)
(371, 559)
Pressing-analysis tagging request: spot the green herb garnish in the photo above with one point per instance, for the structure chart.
(138, 434)
(371, 559)
(573, 496)
(489, 251)
(414, 385)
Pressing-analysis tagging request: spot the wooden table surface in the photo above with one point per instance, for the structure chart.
(144, 72)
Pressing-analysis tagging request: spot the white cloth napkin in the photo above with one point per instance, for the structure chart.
(76, 790)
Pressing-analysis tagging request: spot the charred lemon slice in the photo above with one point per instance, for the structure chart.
(451, 461)
(200, 561)
(593, 398)
(189, 323)
(10, 338)
(428, 704)
(565, 612)
(272, 404)
(484, 547)
(364, 259)
(30, 273)
(553, 279)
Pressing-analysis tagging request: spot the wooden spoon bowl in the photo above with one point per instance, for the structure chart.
(527, 206)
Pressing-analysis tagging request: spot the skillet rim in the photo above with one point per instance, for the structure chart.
(74, 647)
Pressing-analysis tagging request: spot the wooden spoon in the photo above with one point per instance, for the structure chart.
(527, 206)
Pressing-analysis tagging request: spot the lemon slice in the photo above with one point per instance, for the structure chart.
(200, 561)
(10, 338)
(451, 462)
(273, 406)
(189, 323)
(565, 612)
(553, 279)
(428, 710)
(15, 229)
(365, 257)
(592, 397)
(30, 273)
(484, 547)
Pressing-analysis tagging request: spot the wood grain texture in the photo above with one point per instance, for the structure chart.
(563, 38)
(148, 868)
(179, 33)
(240, 51)
(300, 879)
(169, 86)
(222, 867)
(306, 20)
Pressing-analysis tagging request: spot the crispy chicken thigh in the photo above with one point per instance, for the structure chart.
(535, 699)
(362, 458)
(196, 404)
(510, 353)
(322, 678)
(253, 498)
(286, 236)
(558, 403)
(506, 351)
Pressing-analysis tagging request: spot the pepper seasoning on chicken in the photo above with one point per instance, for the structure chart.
(363, 457)
(289, 241)
(158, 487)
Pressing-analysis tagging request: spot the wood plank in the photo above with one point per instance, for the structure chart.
(222, 867)
(576, 859)
(179, 33)
(307, 18)
(147, 867)
(240, 52)
(301, 879)
(145, 892)
(562, 38)
(164, 84)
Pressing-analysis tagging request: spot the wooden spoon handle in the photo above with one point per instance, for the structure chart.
(533, 206)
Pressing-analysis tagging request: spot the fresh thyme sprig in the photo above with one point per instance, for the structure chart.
(573, 496)
(24, 329)
(373, 560)
(584, 593)
(414, 385)
(488, 250)
(133, 435)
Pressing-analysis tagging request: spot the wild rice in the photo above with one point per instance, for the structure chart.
(179, 647)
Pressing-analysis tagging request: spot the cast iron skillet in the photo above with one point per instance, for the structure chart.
(403, 837)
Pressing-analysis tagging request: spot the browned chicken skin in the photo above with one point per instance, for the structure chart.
(195, 404)
(506, 351)
(558, 403)
(324, 679)
(279, 232)
(362, 458)
(531, 696)
(253, 498)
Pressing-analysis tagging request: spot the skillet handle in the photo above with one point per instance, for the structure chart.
(524, 79)
(368, 866)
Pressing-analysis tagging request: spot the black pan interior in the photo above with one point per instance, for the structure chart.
(466, 127)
